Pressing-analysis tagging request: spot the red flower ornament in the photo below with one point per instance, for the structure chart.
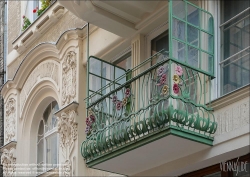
(176, 88)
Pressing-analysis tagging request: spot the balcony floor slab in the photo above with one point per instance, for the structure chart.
(147, 153)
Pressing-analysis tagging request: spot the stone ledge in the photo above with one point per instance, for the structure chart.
(231, 97)
(51, 172)
(39, 27)
(71, 106)
(8, 145)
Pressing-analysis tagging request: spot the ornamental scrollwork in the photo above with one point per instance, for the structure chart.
(66, 170)
(69, 78)
(67, 129)
(8, 160)
(10, 124)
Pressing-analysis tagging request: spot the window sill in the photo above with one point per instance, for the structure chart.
(51, 172)
(50, 16)
(231, 97)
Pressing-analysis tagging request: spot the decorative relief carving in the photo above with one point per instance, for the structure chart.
(69, 78)
(8, 160)
(234, 117)
(67, 129)
(66, 170)
(10, 123)
(46, 69)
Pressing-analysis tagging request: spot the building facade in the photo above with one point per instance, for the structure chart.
(145, 88)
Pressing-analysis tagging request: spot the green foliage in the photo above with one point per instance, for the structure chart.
(45, 5)
(26, 23)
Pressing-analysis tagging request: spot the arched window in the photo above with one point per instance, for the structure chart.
(47, 141)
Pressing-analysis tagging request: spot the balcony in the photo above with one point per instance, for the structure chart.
(162, 104)
(158, 111)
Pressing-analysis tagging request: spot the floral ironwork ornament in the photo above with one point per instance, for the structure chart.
(176, 88)
(176, 79)
(114, 99)
(179, 70)
(127, 92)
(119, 105)
(125, 101)
(89, 122)
(165, 90)
(160, 71)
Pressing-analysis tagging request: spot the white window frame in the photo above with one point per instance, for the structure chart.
(219, 52)
(46, 135)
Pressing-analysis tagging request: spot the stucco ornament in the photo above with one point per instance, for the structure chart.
(67, 129)
(8, 160)
(47, 70)
(69, 78)
(66, 171)
(10, 124)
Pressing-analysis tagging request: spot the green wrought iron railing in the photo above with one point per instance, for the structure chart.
(166, 95)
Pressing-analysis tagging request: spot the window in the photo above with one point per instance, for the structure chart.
(191, 35)
(235, 32)
(124, 61)
(47, 144)
(29, 7)
(159, 43)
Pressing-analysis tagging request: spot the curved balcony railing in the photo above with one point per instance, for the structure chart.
(159, 94)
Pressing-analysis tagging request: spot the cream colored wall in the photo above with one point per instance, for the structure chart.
(14, 22)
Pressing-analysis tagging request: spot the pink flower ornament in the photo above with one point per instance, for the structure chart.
(119, 105)
(163, 80)
(160, 70)
(114, 99)
(127, 92)
(179, 70)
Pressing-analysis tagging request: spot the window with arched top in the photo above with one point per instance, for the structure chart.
(47, 141)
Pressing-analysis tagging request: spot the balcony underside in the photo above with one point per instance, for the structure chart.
(151, 150)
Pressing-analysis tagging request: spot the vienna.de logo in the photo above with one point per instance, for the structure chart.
(234, 166)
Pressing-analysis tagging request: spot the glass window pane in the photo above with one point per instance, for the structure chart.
(179, 29)
(192, 15)
(193, 36)
(206, 21)
(232, 8)
(118, 73)
(179, 50)
(55, 108)
(125, 62)
(236, 72)
(207, 42)
(193, 56)
(49, 117)
(179, 9)
(235, 43)
(107, 71)
(51, 149)
(94, 82)
(95, 66)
